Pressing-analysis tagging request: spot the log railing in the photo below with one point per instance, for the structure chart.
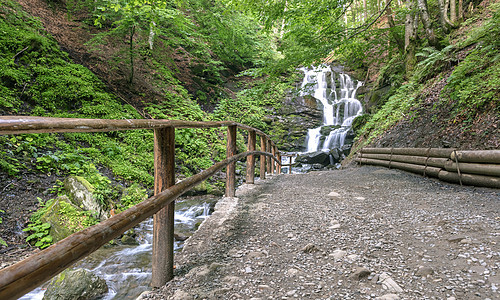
(469, 167)
(289, 164)
(22, 277)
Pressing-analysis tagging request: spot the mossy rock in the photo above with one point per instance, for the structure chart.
(81, 193)
(57, 230)
(77, 284)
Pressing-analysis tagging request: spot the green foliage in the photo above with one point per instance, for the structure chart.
(135, 194)
(40, 231)
(40, 234)
(475, 83)
(434, 62)
(2, 242)
(75, 219)
(395, 109)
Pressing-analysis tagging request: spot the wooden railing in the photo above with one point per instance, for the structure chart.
(289, 164)
(469, 167)
(22, 277)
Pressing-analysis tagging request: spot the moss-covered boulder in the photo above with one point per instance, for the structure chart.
(58, 230)
(76, 284)
(66, 218)
(81, 194)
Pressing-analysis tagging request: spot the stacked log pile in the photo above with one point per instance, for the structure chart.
(469, 167)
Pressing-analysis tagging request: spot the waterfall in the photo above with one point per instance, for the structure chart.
(340, 106)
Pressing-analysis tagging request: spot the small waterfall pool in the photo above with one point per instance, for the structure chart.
(127, 268)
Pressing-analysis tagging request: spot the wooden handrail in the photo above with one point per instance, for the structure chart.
(30, 124)
(22, 277)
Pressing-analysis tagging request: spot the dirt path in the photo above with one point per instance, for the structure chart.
(386, 235)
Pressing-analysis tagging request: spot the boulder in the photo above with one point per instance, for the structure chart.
(81, 194)
(336, 155)
(58, 230)
(76, 284)
(318, 157)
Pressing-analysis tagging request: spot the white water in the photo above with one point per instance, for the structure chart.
(339, 107)
(127, 269)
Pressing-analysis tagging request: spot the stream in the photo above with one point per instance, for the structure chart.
(127, 268)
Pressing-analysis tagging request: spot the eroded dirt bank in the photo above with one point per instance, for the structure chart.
(386, 235)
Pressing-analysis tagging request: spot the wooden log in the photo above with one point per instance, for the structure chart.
(418, 160)
(273, 166)
(431, 152)
(22, 277)
(473, 168)
(418, 169)
(31, 124)
(279, 165)
(251, 159)
(231, 168)
(477, 156)
(470, 179)
(163, 221)
(268, 159)
(263, 147)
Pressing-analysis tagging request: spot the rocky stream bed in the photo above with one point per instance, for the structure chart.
(357, 233)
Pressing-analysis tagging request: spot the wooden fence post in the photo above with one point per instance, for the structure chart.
(263, 144)
(163, 230)
(274, 167)
(290, 167)
(231, 168)
(251, 158)
(279, 165)
(268, 159)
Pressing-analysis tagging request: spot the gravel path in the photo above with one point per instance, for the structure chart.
(359, 233)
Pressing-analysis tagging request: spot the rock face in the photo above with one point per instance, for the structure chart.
(292, 121)
(76, 285)
(81, 194)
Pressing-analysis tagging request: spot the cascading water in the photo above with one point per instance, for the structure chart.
(127, 268)
(340, 107)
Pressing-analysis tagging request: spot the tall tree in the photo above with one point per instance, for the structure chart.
(426, 21)
(411, 26)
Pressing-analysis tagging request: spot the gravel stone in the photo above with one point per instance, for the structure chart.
(404, 224)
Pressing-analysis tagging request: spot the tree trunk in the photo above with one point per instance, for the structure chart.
(443, 16)
(426, 21)
(410, 38)
(365, 8)
(131, 53)
(453, 11)
(460, 10)
(396, 39)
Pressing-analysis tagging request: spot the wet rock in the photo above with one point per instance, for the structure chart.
(360, 273)
(128, 240)
(77, 284)
(318, 157)
(389, 284)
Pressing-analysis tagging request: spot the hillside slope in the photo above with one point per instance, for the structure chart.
(452, 99)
